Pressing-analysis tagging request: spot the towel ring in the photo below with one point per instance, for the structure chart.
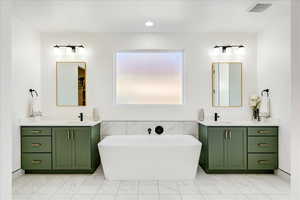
(32, 91)
(266, 90)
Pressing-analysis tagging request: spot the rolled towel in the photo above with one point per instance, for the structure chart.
(264, 110)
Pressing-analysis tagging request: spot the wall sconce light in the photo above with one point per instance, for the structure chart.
(70, 49)
(229, 49)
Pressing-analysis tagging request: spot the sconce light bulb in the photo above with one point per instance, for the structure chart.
(70, 51)
(228, 51)
(57, 51)
(216, 51)
(241, 50)
(81, 51)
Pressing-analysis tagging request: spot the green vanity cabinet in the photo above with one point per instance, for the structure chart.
(227, 148)
(36, 144)
(216, 148)
(82, 148)
(60, 149)
(236, 141)
(262, 148)
(238, 149)
(71, 148)
(63, 150)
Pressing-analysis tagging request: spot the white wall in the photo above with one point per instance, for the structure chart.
(26, 75)
(295, 99)
(5, 100)
(274, 72)
(100, 64)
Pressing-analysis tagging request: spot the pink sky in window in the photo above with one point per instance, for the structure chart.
(149, 77)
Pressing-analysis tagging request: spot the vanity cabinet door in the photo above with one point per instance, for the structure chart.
(62, 145)
(82, 147)
(216, 148)
(236, 157)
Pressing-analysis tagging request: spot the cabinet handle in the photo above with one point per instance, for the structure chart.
(68, 134)
(229, 134)
(264, 145)
(36, 144)
(263, 162)
(264, 132)
(36, 131)
(225, 134)
(36, 162)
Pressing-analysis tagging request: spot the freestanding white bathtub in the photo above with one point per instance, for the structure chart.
(144, 157)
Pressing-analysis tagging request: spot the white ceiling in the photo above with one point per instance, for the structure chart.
(130, 15)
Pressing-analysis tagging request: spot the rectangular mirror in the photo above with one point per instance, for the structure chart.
(227, 84)
(71, 83)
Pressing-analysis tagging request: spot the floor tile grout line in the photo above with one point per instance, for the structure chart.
(138, 189)
(157, 184)
(117, 192)
(266, 186)
(178, 188)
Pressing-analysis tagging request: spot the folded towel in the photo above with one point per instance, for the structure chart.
(35, 107)
(264, 110)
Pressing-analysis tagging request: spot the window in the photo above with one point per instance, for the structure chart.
(149, 77)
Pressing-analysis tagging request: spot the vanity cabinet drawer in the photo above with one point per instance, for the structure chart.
(37, 161)
(262, 161)
(262, 131)
(35, 131)
(36, 144)
(262, 144)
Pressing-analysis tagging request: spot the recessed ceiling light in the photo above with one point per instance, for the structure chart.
(149, 23)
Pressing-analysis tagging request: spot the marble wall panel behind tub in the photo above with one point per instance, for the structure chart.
(141, 127)
(113, 128)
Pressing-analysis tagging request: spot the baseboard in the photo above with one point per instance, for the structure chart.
(17, 173)
(283, 174)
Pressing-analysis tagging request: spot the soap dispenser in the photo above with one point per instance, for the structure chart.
(201, 115)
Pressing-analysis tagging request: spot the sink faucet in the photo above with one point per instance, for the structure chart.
(80, 117)
(216, 117)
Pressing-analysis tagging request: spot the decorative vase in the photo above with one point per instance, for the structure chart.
(256, 114)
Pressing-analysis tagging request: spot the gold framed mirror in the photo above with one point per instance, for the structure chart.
(227, 84)
(70, 83)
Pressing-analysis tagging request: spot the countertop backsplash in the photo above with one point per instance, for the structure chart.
(141, 127)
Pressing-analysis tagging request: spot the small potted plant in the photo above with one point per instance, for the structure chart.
(254, 105)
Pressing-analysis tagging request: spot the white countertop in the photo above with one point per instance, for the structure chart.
(32, 122)
(239, 123)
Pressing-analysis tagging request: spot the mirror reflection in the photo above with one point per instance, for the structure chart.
(71, 83)
(227, 84)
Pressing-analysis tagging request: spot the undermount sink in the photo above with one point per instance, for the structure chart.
(221, 122)
(225, 122)
(44, 122)
(239, 123)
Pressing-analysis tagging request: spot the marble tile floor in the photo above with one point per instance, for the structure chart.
(204, 187)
